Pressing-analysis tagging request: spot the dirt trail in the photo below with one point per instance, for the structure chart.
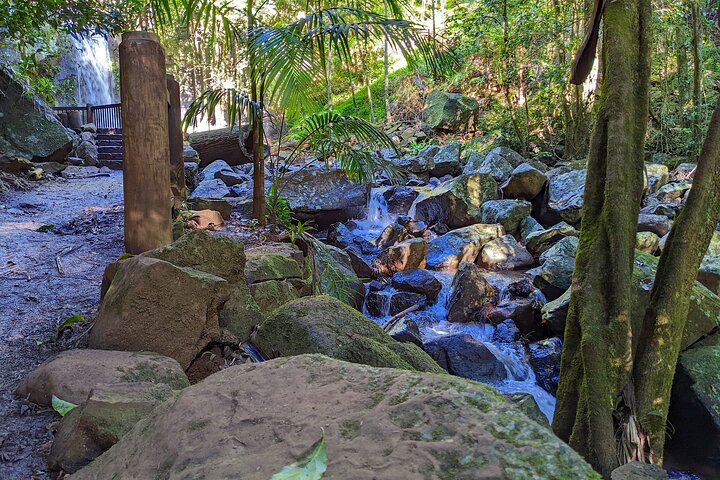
(35, 297)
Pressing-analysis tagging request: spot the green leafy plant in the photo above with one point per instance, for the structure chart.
(298, 229)
(69, 323)
(61, 406)
(311, 466)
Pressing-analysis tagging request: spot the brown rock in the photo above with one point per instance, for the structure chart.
(470, 293)
(403, 256)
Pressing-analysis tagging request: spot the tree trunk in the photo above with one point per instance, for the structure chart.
(696, 42)
(386, 73)
(596, 359)
(665, 318)
(257, 132)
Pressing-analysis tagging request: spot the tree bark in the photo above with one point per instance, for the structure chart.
(665, 318)
(256, 125)
(596, 360)
(696, 42)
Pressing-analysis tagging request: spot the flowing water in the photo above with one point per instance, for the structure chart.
(94, 73)
(433, 319)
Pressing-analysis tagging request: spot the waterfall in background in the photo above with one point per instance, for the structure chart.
(93, 70)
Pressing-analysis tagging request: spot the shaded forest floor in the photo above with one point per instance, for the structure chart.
(80, 222)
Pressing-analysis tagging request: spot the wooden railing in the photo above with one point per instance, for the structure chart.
(103, 116)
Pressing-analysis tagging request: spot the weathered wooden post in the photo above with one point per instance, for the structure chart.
(177, 166)
(146, 150)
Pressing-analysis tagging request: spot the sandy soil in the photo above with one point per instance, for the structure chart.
(37, 295)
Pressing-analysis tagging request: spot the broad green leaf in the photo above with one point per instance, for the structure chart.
(61, 406)
(311, 466)
(77, 318)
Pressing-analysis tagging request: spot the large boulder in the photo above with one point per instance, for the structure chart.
(709, 273)
(508, 213)
(491, 164)
(544, 358)
(463, 356)
(554, 275)
(110, 412)
(446, 161)
(505, 253)
(73, 374)
(456, 203)
(449, 111)
(418, 280)
(28, 129)
(695, 411)
(323, 324)
(470, 294)
(448, 251)
(379, 423)
(565, 196)
(639, 471)
(324, 195)
(402, 256)
(525, 182)
(153, 305)
(540, 241)
(399, 199)
(336, 275)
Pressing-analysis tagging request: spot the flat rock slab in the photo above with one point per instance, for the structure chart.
(248, 422)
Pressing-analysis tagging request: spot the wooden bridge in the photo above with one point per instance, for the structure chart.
(108, 121)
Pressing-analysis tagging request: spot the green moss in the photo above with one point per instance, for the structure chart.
(350, 429)
(194, 427)
(703, 367)
(148, 372)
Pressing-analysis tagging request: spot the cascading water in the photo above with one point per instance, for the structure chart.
(94, 74)
(433, 323)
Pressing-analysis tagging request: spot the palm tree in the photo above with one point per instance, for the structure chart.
(285, 62)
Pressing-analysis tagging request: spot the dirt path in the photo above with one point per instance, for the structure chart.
(35, 297)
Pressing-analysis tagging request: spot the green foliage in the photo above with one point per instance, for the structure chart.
(61, 406)
(311, 466)
(77, 318)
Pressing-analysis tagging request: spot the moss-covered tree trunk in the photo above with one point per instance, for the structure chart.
(665, 318)
(596, 360)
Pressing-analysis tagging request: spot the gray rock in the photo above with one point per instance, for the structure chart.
(495, 165)
(403, 256)
(446, 161)
(525, 182)
(638, 471)
(658, 224)
(470, 295)
(418, 281)
(399, 199)
(447, 251)
(539, 241)
(449, 111)
(505, 253)
(554, 275)
(88, 152)
(544, 358)
(508, 213)
(210, 189)
(462, 355)
(565, 195)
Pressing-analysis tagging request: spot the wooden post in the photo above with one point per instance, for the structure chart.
(89, 114)
(177, 166)
(146, 150)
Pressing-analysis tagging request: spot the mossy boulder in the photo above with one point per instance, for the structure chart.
(110, 412)
(456, 203)
(73, 374)
(507, 212)
(323, 324)
(449, 111)
(377, 422)
(28, 129)
(336, 275)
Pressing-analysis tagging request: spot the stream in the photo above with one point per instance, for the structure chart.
(433, 323)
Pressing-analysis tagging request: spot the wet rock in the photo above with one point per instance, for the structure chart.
(525, 182)
(540, 241)
(695, 410)
(527, 226)
(457, 202)
(377, 303)
(554, 275)
(414, 228)
(323, 195)
(672, 191)
(341, 237)
(506, 332)
(446, 161)
(505, 253)
(322, 324)
(447, 251)
(657, 224)
(655, 176)
(359, 265)
(639, 471)
(389, 236)
(419, 281)
(565, 196)
(29, 130)
(401, 301)
(377, 285)
(406, 330)
(73, 374)
(463, 356)
(210, 189)
(135, 315)
(508, 213)
(522, 311)
(399, 199)
(647, 242)
(110, 412)
(544, 358)
(374, 422)
(402, 256)
(470, 294)
(554, 314)
(449, 111)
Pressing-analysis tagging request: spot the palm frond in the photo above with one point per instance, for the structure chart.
(217, 20)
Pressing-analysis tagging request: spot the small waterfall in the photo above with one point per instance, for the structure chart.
(377, 217)
(95, 80)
